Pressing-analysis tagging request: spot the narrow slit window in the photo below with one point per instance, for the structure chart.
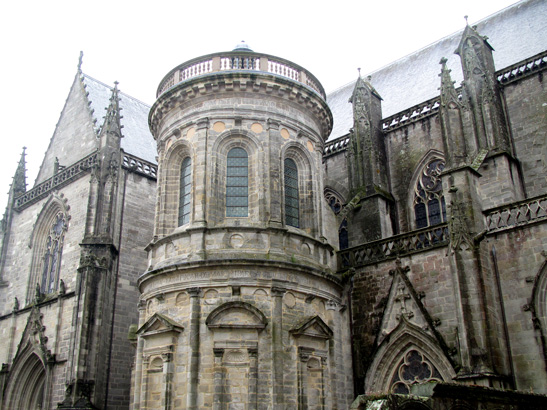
(185, 191)
(291, 194)
(237, 183)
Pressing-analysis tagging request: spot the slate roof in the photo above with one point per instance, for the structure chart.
(137, 139)
(516, 33)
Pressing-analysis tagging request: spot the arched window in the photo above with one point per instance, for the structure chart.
(237, 183)
(52, 254)
(291, 194)
(335, 204)
(185, 191)
(429, 204)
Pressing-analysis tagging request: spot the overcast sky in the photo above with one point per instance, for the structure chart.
(138, 42)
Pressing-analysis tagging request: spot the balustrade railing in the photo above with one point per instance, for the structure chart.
(516, 214)
(334, 146)
(412, 114)
(70, 173)
(395, 246)
(236, 60)
(522, 69)
(140, 166)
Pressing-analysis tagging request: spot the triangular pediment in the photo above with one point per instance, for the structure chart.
(34, 338)
(403, 303)
(313, 327)
(159, 323)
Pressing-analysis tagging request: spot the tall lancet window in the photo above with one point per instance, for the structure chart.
(429, 204)
(52, 254)
(237, 183)
(291, 194)
(185, 191)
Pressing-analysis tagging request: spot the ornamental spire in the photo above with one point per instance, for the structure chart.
(112, 120)
(20, 178)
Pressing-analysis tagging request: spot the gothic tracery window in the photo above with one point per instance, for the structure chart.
(291, 193)
(52, 254)
(429, 203)
(185, 191)
(413, 369)
(335, 204)
(237, 183)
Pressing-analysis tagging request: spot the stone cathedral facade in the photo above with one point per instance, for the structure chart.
(250, 242)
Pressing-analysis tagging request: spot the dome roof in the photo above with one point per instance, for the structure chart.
(242, 46)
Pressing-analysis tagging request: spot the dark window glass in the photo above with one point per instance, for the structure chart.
(421, 216)
(185, 191)
(291, 193)
(237, 183)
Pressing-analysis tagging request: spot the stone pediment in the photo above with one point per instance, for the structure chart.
(313, 327)
(158, 324)
(403, 303)
(236, 315)
(34, 337)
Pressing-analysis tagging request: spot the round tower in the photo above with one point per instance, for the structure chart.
(240, 307)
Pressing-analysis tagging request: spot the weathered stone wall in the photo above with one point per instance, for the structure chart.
(431, 277)
(520, 257)
(21, 248)
(525, 102)
(303, 297)
(136, 233)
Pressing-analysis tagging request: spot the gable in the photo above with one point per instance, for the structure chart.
(313, 327)
(75, 124)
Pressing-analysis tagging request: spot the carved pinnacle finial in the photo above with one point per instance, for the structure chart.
(359, 70)
(466, 22)
(443, 61)
(80, 60)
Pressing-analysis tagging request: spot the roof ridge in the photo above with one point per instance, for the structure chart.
(111, 88)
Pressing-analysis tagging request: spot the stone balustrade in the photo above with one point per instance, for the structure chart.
(61, 178)
(415, 113)
(239, 61)
(516, 214)
(337, 145)
(140, 166)
(522, 69)
(395, 246)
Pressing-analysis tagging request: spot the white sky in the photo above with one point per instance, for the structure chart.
(137, 42)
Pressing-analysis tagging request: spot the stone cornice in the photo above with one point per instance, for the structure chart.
(241, 82)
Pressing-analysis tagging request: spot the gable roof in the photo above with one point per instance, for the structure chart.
(415, 78)
(137, 139)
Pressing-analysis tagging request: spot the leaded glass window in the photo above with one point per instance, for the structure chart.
(237, 183)
(291, 194)
(413, 369)
(52, 254)
(185, 191)
(429, 204)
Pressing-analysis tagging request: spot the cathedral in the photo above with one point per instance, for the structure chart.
(251, 242)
